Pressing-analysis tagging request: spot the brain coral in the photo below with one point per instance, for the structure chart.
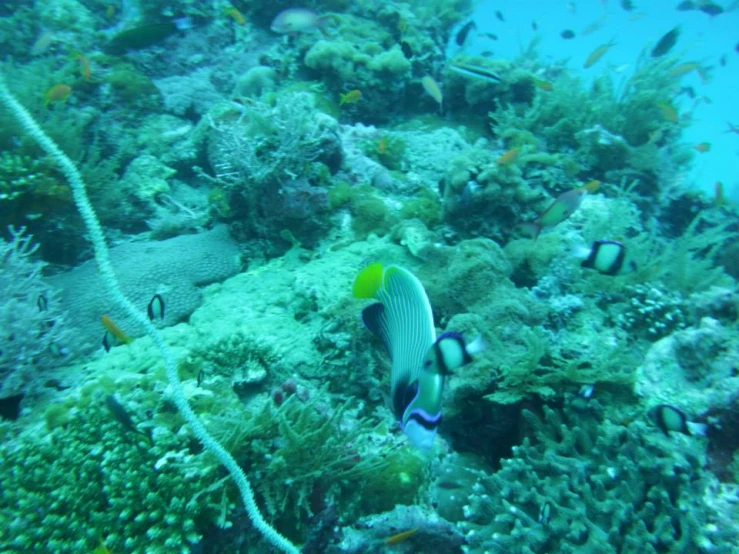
(175, 268)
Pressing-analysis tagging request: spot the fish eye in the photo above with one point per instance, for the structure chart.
(426, 363)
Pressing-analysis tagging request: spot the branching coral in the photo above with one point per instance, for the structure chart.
(34, 335)
(306, 456)
(688, 262)
(266, 144)
(87, 479)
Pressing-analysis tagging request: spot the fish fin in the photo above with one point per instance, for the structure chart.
(372, 319)
(183, 23)
(581, 251)
(404, 394)
(369, 281)
(532, 229)
(476, 346)
(697, 429)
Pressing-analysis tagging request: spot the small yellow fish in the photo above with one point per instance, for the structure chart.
(683, 69)
(400, 537)
(509, 157)
(351, 97)
(42, 43)
(84, 64)
(594, 26)
(57, 93)
(382, 145)
(433, 90)
(114, 330)
(234, 13)
(656, 136)
(542, 84)
(668, 111)
(702, 147)
(591, 186)
(598, 53)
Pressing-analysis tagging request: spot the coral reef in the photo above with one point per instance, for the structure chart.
(103, 483)
(246, 177)
(583, 483)
(176, 269)
(35, 335)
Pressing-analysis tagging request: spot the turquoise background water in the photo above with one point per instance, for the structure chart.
(702, 38)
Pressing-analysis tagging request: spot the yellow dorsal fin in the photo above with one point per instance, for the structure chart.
(369, 281)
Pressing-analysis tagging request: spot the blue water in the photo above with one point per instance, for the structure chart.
(702, 38)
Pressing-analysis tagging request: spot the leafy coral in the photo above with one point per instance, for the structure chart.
(582, 483)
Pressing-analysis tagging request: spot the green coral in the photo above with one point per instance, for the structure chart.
(607, 487)
(689, 262)
(340, 194)
(651, 312)
(240, 358)
(133, 88)
(19, 174)
(85, 478)
(344, 461)
(389, 150)
(425, 205)
(370, 212)
(530, 367)
(610, 132)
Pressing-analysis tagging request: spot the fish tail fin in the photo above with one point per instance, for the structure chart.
(184, 23)
(697, 429)
(532, 229)
(476, 346)
(580, 251)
